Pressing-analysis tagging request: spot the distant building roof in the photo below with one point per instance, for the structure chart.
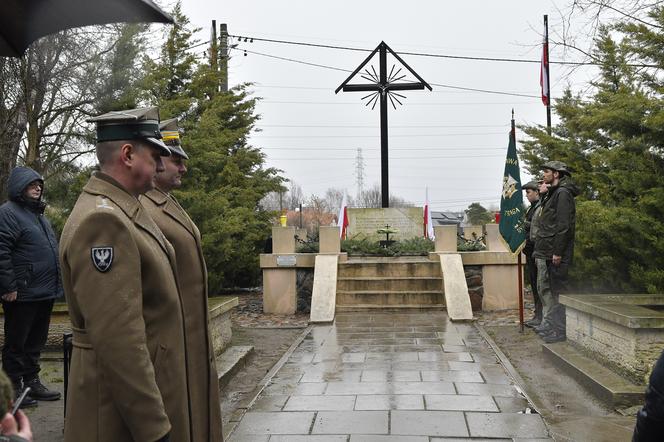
(447, 218)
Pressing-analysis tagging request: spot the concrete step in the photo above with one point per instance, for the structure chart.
(394, 299)
(394, 268)
(394, 283)
(607, 385)
(232, 360)
(387, 308)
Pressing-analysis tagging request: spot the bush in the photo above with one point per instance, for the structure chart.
(368, 247)
(617, 249)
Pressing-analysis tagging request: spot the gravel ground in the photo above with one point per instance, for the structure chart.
(572, 413)
(566, 406)
(270, 335)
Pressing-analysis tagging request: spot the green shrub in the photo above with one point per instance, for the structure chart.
(368, 247)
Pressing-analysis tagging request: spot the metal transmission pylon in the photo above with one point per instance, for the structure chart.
(359, 172)
(383, 86)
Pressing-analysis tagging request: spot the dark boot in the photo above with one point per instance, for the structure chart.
(533, 322)
(28, 402)
(40, 392)
(553, 337)
(543, 328)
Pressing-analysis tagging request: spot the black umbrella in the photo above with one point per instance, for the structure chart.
(24, 21)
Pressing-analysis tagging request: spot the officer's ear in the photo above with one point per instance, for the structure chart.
(127, 152)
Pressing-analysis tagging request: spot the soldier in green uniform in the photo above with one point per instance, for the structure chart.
(128, 369)
(185, 237)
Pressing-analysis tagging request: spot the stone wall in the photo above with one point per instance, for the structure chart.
(628, 351)
(475, 286)
(305, 286)
(220, 323)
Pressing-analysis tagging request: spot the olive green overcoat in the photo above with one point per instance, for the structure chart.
(185, 237)
(128, 376)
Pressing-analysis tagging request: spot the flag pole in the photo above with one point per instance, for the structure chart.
(548, 73)
(520, 273)
(519, 266)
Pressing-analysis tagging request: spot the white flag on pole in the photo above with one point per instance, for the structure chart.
(428, 222)
(342, 219)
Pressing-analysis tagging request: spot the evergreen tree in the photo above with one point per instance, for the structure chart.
(227, 177)
(118, 88)
(168, 80)
(222, 190)
(478, 215)
(613, 144)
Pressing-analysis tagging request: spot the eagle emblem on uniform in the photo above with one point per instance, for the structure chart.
(102, 258)
(509, 186)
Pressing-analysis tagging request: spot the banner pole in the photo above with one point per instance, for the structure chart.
(548, 73)
(520, 276)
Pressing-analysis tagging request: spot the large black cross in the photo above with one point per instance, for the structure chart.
(383, 87)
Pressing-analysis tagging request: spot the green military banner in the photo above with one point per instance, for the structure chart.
(511, 202)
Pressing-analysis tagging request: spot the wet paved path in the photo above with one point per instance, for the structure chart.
(390, 376)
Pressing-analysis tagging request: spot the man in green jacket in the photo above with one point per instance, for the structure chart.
(532, 194)
(554, 245)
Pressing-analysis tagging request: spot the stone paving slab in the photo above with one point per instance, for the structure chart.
(459, 402)
(364, 422)
(429, 423)
(319, 403)
(390, 402)
(255, 422)
(506, 425)
(368, 438)
(390, 376)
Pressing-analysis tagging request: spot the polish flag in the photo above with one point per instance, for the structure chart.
(342, 219)
(428, 223)
(544, 69)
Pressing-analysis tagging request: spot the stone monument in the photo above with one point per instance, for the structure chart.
(365, 223)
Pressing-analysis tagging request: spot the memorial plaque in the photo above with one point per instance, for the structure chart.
(364, 223)
(286, 260)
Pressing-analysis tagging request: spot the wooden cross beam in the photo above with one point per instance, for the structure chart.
(383, 87)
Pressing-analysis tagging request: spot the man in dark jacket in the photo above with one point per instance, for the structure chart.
(29, 282)
(650, 419)
(532, 194)
(554, 246)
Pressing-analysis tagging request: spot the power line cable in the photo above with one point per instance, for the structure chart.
(472, 103)
(421, 54)
(425, 54)
(349, 126)
(309, 149)
(486, 91)
(391, 158)
(246, 51)
(307, 63)
(260, 135)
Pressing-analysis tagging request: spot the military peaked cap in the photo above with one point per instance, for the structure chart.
(131, 124)
(556, 165)
(532, 185)
(171, 137)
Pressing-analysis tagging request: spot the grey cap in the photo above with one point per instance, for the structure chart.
(532, 185)
(171, 137)
(557, 166)
(131, 124)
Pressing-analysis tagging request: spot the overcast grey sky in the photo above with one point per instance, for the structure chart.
(452, 141)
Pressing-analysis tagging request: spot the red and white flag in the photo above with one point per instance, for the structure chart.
(428, 223)
(342, 219)
(544, 69)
